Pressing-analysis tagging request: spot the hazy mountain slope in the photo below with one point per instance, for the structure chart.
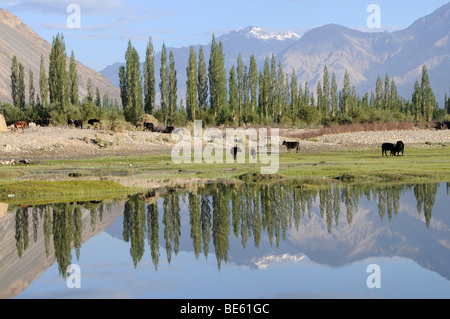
(248, 41)
(365, 55)
(18, 39)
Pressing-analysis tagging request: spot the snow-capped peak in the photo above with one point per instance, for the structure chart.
(265, 261)
(259, 33)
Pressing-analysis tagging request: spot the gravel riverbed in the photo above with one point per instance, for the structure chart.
(67, 143)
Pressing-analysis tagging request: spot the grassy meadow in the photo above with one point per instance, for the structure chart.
(100, 178)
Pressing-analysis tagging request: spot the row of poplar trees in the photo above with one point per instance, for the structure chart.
(57, 96)
(59, 87)
(245, 94)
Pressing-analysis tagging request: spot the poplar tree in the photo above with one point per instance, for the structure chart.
(320, 106)
(240, 88)
(73, 78)
(280, 94)
(294, 92)
(57, 74)
(447, 103)
(123, 86)
(326, 92)
(379, 97)
(172, 87)
(273, 87)
(253, 83)
(233, 95)
(417, 101)
(393, 96)
(149, 79)
(15, 81)
(266, 88)
(98, 99)
(217, 77)
(306, 94)
(387, 91)
(191, 86)
(247, 101)
(428, 99)
(334, 95)
(202, 80)
(90, 91)
(31, 90)
(346, 94)
(134, 110)
(164, 82)
(21, 88)
(43, 83)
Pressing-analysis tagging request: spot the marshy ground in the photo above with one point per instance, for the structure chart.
(68, 162)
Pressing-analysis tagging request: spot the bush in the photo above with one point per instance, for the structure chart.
(179, 119)
(89, 111)
(285, 121)
(309, 114)
(11, 113)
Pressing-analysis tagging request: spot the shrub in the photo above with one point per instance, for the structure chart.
(309, 114)
(89, 111)
(11, 113)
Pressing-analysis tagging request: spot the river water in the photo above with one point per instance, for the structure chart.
(233, 241)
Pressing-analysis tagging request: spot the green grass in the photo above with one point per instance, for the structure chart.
(34, 182)
(46, 192)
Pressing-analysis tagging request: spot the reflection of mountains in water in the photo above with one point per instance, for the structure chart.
(332, 226)
(266, 261)
(247, 224)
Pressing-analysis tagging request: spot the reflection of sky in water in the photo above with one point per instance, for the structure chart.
(108, 272)
(107, 269)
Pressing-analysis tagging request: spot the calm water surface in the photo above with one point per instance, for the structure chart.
(234, 241)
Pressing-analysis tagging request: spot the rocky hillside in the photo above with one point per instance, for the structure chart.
(18, 39)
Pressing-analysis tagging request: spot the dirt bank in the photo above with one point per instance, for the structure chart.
(66, 142)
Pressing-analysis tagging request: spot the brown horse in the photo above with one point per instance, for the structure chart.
(20, 124)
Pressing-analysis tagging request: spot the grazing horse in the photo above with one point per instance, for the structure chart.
(292, 145)
(21, 124)
(399, 147)
(387, 147)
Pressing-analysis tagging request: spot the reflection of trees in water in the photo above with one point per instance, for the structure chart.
(216, 212)
(61, 226)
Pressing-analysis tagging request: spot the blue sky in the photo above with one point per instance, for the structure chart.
(106, 25)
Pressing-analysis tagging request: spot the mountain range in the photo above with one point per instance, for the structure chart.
(364, 55)
(18, 39)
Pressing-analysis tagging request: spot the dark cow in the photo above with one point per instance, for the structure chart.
(93, 121)
(234, 151)
(42, 122)
(70, 122)
(292, 145)
(168, 129)
(387, 147)
(78, 123)
(399, 147)
(253, 153)
(149, 126)
(21, 124)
